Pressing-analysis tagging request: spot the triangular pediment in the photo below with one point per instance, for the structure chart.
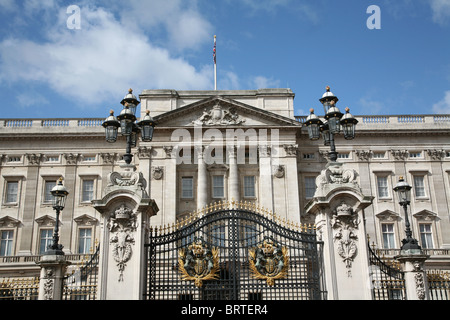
(219, 112)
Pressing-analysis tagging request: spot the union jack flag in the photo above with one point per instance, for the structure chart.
(214, 51)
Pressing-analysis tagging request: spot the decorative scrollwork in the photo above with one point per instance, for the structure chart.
(198, 263)
(269, 261)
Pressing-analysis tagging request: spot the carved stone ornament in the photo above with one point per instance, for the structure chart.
(345, 223)
(122, 224)
(269, 261)
(219, 115)
(198, 262)
(49, 283)
(279, 171)
(157, 173)
(335, 174)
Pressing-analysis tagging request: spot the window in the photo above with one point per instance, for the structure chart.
(84, 240)
(89, 158)
(87, 193)
(387, 230)
(415, 154)
(52, 159)
(426, 236)
(187, 187)
(310, 186)
(308, 156)
(12, 191)
(218, 187)
(48, 186)
(343, 155)
(45, 240)
(378, 155)
(249, 186)
(6, 243)
(419, 186)
(218, 235)
(383, 188)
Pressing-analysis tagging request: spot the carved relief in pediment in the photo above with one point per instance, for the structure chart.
(219, 115)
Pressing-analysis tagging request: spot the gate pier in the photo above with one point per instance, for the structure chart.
(126, 210)
(338, 206)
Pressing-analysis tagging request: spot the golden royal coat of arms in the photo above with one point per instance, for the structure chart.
(198, 263)
(269, 261)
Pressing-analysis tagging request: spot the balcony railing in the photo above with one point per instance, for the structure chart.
(396, 119)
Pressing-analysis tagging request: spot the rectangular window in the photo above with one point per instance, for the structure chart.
(88, 191)
(46, 239)
(382, 185)
(378, 155)
(187, 187)
(48, 186)
(310, 187)
(85, 240)
(426, 236)
(415, 154)
(6, 243)
(387, 229)
(12, 191)
(419, 186)
(249, 186)
(218, 187)
(343, 155)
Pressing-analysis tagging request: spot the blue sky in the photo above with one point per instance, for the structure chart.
(50, 70)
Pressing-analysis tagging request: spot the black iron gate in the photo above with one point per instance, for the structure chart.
(234, 254)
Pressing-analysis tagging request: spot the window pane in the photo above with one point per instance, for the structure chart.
(46, 240)
(6, 243)
(12, 189)
(419, 186)
(249, 186)
(84, 244)
(187, 187)
(426, 236)
(387, 230)
(218, 187)
(383, 191)
(88, 190)
(310, 186)
(49, 185)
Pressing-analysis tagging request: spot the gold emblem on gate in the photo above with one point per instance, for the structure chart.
(198, 263)
(269, 261)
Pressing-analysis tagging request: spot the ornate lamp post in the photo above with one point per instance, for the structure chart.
(403, 190)
(334, 123)
(59, 193)
(129, 128)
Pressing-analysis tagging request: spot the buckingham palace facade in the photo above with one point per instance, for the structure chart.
(274, 164)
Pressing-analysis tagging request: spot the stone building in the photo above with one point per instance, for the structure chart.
(210, 146)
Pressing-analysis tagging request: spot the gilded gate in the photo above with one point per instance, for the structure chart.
(234, 251)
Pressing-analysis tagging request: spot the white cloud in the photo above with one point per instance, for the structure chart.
(261, 82)
(370, 107)
(443, 106)
(441, 11)
(103, 58)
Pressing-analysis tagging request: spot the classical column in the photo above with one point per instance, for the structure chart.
(415, 275)
(234, 174)
(265, 177)
(202, 179)
(29, 203)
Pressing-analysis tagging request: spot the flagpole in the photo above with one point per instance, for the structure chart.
(215, 65)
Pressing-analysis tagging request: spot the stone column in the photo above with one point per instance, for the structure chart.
(53, 269)
(202, 179)
(126, 210)
(415, 276)
(234, 174)
(265, 177)
(338, 206)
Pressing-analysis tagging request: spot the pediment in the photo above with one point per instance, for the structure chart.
(221, 112)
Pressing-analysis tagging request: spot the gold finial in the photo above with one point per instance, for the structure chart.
(328, 88)
(311, 110)
(130, 90)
